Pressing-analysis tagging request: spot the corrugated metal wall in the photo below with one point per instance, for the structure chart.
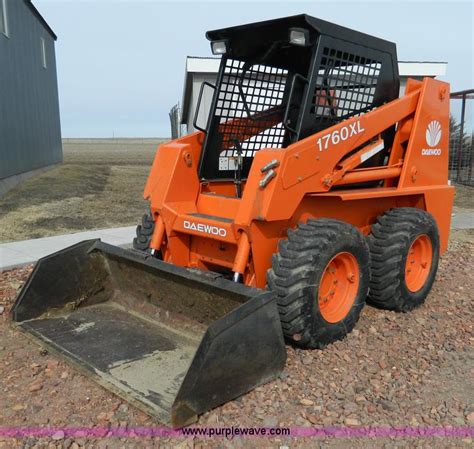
(30, 134)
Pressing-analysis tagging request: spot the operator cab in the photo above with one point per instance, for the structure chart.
(282, 80)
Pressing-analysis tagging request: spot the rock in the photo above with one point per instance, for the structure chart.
(346, 358)
(360, 398)
(313, 419)
(350, 407)
(352, 422)
(383, 364)
(59, 435)
(470, 418)
(387, 405)
(372, 369)
(270, 421)
(64, 375)
(213, 418)
(52, 364)
(306, 402)
(18, 407)
(371, 408)
(2, 309)
(35, 386)
(307, 360)
(74, 445)
(102, 416)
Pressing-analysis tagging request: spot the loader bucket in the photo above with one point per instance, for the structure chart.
(174, 342)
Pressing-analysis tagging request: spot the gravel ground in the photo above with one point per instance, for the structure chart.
(411, 369)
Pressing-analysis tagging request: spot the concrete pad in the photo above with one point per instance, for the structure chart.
(463, 220)
(14, 254)
(9, 257)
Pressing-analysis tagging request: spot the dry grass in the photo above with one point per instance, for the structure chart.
(99, 185)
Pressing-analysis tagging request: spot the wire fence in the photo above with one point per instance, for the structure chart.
(461, 149)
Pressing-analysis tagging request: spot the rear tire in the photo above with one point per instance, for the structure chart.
(404, 247)
(144, 234)
(314, 309)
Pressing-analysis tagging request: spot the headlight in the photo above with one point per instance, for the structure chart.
(219, 47)
(299, 36)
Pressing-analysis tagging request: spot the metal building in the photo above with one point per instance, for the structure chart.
(202, 69)
(30, 134)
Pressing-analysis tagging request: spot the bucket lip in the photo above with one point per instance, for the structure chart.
(212, 280)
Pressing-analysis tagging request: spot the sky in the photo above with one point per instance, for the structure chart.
(121, 64)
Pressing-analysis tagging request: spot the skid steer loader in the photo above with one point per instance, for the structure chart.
(308, 187)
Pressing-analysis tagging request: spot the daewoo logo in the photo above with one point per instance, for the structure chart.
(205, 229)
(433, 133)
(433, 136)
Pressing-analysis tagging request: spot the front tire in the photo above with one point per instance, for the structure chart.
(404, 249)
(144, 234)
(321, 277)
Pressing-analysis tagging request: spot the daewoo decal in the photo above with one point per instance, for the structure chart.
(205, 228)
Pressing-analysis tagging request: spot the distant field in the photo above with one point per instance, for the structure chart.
(99, 185)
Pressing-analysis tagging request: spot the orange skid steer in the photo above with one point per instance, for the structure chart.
(309, 188)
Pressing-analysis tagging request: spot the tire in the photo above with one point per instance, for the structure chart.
(144, 234)
(300, 276)
(400, 243)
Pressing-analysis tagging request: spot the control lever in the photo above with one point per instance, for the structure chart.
(238, 169)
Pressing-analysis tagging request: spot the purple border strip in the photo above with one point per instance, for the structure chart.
(229, 432)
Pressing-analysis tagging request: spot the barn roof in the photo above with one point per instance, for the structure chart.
(40, 18)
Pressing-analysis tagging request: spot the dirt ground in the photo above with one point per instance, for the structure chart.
(464, 200)
(394, 370)
(99, 185)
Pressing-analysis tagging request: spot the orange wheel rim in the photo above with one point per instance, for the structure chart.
(338, 287)
(418, 265)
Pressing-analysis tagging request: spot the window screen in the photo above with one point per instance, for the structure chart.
(345, 85)
(249, 109)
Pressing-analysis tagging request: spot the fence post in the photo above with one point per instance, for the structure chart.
(461, 138)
